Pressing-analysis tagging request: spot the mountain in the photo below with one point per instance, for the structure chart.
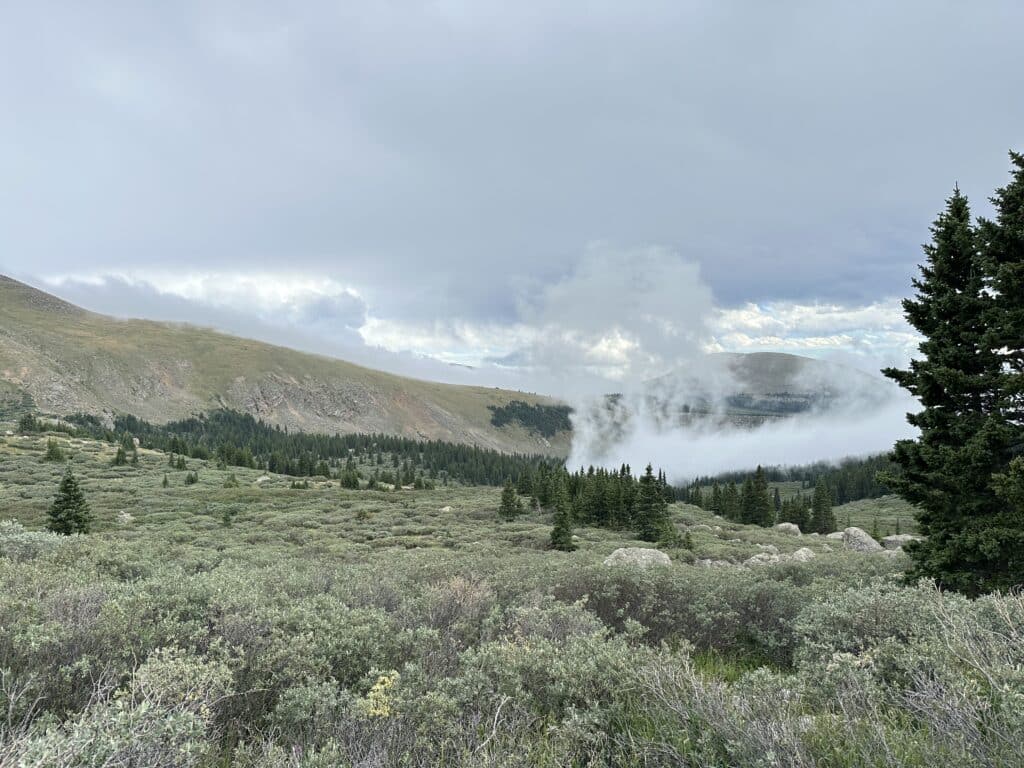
(68, 360)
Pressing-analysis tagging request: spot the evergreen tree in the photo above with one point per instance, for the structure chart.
(28, 424)
(651, 510)
(121, 458)
(53, 451)
(762, 511)
(966, 422)
(166, 483)
(561, 533)
(777, 501)
(823, 520)
(69, 512)
(510, 505)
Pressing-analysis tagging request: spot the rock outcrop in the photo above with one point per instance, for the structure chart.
(790, 529)
(859, 540)
(639, 557)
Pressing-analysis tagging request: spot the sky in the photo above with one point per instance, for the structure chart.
(525, 193)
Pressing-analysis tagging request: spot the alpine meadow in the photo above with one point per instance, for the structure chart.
(484, 386)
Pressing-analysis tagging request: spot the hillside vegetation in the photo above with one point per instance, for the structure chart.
(239, 621)
(71, 360)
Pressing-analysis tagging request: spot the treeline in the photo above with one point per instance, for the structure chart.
(546, 420)
(237, 439)
(606, 498)
(850, 480)
(752, 502)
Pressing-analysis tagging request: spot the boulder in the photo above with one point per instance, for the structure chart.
(899, 540)
(860, 540)
(262, 479)
(803, 554)
(838, 536)
(9, 433)
(637, 556)
(790, 529)
(770, 548)
(445, 509)
(699, 527)
(709, 563)
(136, 442)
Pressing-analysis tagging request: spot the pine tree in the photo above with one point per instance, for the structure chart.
(777, 501)
(166, 483)
(974, 544)
(53, 451)
(510, 506)
(762, 511)
(69, 512)
(121, 458)
(823, 520)
(561, 533)
(651, 510)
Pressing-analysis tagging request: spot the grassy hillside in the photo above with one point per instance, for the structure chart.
(70, 360)
(204, 626)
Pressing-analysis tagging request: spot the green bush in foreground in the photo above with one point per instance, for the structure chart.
(114, 653)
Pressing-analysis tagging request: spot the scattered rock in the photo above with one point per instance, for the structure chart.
(762, 558)
(445, 509)
(837, 535)
(803, 554)
(9, 433)
(709, 563)
(892, 552)
(770, 548)
(125, 518)
(859, 540)
(826, 548)
(638, 556)
(790, 529)
(136, 442)
(899, 540)
(700, 527)
(262, 479)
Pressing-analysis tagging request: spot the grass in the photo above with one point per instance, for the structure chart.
(260, 625)
(324, 520)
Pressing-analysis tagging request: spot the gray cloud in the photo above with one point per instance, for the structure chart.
(440, 157)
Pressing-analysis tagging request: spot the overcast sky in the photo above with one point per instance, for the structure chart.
(468, 180)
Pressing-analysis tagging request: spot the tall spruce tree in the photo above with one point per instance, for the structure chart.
(69, 513)
(510, 506)
(651, 510)
(823, 519)
(973, 542)
(762, 511)
(561, 533)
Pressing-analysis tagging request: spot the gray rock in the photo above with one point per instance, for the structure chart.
(637, 556)
(791, 529)
(803, 554)
(762, 558)
(899, 540)
(700, 527)
(838, 536)
(709, 563)
(860, 540)
(770, 548)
